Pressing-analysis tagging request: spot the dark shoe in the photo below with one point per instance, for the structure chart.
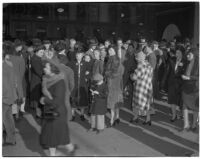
(173, 120)
(9, 144)
(134, 120)
(72, 153)
(148, 122)
(73, 118)
(82, 118)
(38, 117)
(117, 121)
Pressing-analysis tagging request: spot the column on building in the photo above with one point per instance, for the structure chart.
(72, 17)
(103, 13)
(196, 25)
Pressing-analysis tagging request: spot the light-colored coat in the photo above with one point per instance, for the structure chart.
(114, 73)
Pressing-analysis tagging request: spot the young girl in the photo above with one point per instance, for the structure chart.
(98, 109)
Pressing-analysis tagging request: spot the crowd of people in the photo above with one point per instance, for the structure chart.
(59, 78)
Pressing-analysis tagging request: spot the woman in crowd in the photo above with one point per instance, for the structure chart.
(36, 79)
(113, 74)
(55, 129)
(190, 92)
(80, 91)
(142, 92)
(175, 70)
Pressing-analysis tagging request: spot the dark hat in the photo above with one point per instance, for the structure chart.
(17, 43)
(97, 77)
(46, 42)
(59, 47)
(162, 44)
(154, 43)
(36, 42)
(93, 42)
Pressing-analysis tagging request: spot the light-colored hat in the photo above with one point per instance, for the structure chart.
(97, 77)
(142, 41)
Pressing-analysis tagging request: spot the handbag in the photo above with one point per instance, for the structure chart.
(51, 115)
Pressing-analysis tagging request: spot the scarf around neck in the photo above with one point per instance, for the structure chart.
(48, 81)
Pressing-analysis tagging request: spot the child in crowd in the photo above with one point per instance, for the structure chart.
(98, 108)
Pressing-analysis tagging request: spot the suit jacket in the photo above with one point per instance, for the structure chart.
(9, 85)
(19, 71)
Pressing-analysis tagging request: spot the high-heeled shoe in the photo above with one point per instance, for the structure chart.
(82, 118)
(147, 123)
(134, 120)
(173, 120)
(117, 121)
(72, 152)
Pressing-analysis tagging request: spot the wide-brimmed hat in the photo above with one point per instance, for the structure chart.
(142, 41)
(97, 77)
(17, 43)
(46, 42)
(163, 44)
(154, 43)
(36, 42)
(93, 42)
(59, 47)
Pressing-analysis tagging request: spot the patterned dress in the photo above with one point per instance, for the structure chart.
(142, 92)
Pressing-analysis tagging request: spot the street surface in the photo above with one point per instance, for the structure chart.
(162, 138)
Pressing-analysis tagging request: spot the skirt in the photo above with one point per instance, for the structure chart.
(191, 101)
(54, 133)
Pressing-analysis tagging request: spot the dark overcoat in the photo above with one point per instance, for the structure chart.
(99, 104)
(80, 92)
(175, 82)
(55, 132)
(36, 77)
(19, 70)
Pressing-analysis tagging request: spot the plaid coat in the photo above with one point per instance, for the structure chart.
(142, 92)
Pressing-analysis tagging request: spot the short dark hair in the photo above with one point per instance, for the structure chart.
(54, 68)
(39, 47)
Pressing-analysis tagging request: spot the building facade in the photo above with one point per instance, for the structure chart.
(127, 20)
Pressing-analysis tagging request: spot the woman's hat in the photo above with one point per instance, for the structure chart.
(142, 41)
(154, 43)
(93, 42)
(18, 43)
(97, 77)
